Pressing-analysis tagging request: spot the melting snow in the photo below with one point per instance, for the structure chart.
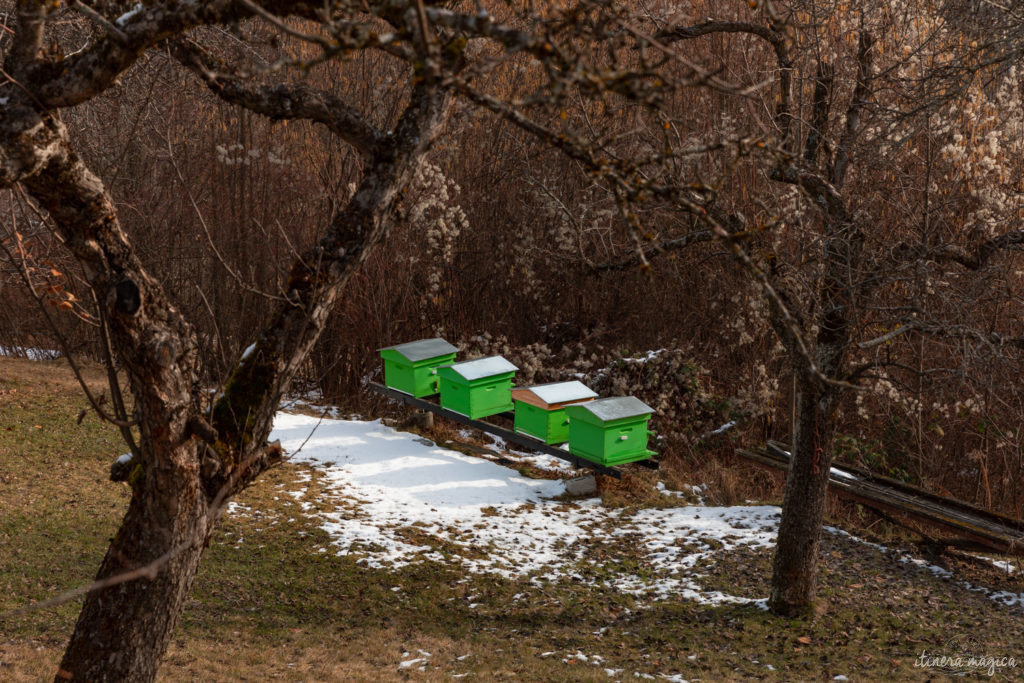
(411, 662)
(129, 15)
(234, 508)
(649, 356)
(1002, 565)
(1004, 597)
(399, 499)
(30, 353)
(416, 501)
(541, 461)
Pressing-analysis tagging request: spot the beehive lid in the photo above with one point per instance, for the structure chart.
(559, 392)
(618, 408)
(482, 367)
(423, 349)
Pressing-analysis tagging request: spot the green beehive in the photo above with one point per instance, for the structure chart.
(610, 431)
(540, 410)
(477, 388)
(412, 368)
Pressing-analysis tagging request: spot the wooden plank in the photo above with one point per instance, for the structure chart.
(506, 434)
(524, 395)
(919, 493)
(988, 529)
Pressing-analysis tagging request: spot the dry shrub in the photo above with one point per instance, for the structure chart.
(636, 488)
(668, 380)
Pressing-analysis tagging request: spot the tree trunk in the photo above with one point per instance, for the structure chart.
(126, 622)
(124, 629)
(795, 567)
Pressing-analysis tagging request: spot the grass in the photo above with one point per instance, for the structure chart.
(272, 599)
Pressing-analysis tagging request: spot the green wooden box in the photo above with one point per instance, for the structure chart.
(610, 431)
(540, 409)
(477, 388)
(412, 367)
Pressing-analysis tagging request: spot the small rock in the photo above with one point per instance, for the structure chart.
(581, 486)
(424, 419)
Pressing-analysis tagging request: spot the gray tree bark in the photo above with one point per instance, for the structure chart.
(182, 481)
(190, 459)
(795, 564)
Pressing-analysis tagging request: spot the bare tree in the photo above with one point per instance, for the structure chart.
(807, 126)
(793, 169)
(191, 453)
(846, 266)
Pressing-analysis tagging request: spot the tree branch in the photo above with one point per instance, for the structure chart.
(71, 81)
(888, 336)
(770, 34)
(281, 101)
(819, 119)
(984, 252)
(65, 347)
(28, 36)
(655, 249)
(245, 410)
(98, 19)
(858, 103)
(822, 192)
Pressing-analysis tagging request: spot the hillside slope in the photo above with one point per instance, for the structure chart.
(378, 554)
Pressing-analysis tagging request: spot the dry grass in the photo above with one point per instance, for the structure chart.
(307, 656)
(28, 660)
(268, 604)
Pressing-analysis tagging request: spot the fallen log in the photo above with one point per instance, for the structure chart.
(975, 527)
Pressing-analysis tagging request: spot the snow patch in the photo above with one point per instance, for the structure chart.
(129, 15)
(647, 357)
(419, 502)
(30, 353)
(1003, 597)
(541, 461)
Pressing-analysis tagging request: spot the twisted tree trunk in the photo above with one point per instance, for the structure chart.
(124, 629)
(189, 467)
(191, 457)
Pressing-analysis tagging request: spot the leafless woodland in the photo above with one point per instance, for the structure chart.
(816, 202)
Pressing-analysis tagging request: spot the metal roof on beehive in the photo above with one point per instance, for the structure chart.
(423, 349)
(609, 409)
(483, 367)
(562, 392)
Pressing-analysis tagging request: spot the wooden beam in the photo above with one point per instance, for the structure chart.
(506, 434)
(975, 525)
